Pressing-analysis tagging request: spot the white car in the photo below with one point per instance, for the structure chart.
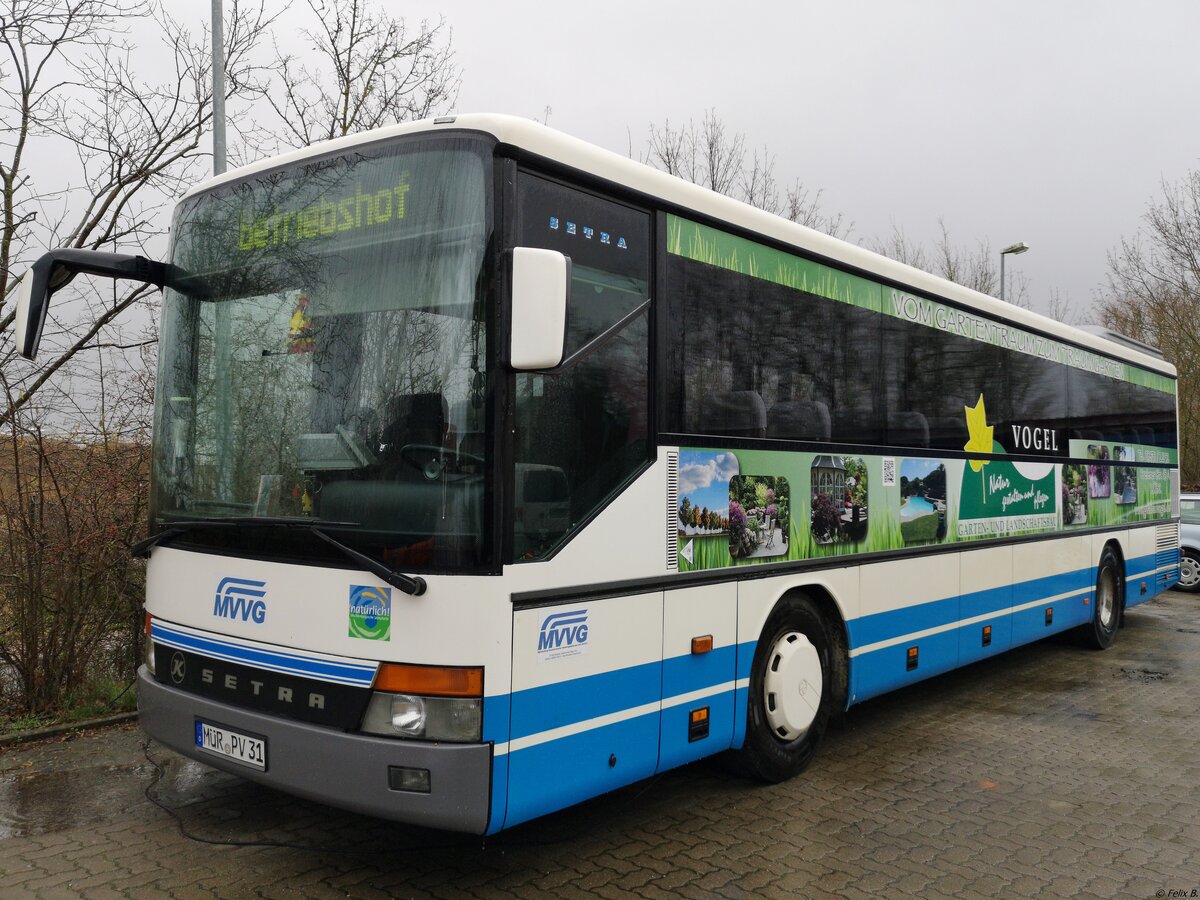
(1189, 543)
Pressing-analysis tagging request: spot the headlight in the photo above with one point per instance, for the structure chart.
(408, 714)
(428, 718)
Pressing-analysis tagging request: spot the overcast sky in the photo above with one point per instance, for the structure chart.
(1046, 121)
(1051, 123)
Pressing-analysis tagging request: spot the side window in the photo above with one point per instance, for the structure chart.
(582, 429)
(1037, 394)
(931, 375)
(1189, 510)
(751, 358)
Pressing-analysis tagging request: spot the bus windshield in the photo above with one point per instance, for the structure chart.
(332, 369)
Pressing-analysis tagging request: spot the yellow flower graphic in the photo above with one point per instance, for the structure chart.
(981, 434)
(981, 440)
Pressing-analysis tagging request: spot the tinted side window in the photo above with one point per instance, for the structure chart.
(1037, 394)
(932, 376)
(582, 429)
(750, 358)
(1108, 409)
(1153, 416)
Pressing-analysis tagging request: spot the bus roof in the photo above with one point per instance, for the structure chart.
(545, 142)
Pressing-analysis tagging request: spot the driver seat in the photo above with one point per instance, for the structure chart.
(413, 419)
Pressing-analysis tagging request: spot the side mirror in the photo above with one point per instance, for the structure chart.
(541, 290)
(54, 271)
(33, 299)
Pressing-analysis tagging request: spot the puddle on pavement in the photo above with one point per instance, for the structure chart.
(186, 781)
(42, 802)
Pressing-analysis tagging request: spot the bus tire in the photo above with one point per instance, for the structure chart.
(791, 691)
(1109, 602)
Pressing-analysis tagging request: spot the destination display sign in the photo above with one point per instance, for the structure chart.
(331, 205)
(325, 216)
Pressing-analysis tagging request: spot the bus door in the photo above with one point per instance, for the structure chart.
(586, 689)
(699, 672)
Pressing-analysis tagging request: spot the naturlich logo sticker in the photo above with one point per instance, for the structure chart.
(370, 612)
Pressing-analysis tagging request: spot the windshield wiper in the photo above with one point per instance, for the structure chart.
(410, 584)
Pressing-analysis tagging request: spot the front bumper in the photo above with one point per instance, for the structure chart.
(340, 769)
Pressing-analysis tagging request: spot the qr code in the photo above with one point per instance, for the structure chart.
(889, 472)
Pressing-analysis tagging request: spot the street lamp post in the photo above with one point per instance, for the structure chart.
(1019, 247)
(218, 78)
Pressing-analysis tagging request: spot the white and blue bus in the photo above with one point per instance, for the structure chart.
(493, 471)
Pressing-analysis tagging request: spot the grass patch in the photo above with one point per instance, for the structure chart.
(921, 530)
(708, 552)
(98, 699)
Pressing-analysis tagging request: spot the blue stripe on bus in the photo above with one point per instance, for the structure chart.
(1156, 581)
(883, 670)
(884, 626)
(566, 770)
(561, 773)
(496, 712)
(325, 670)
(896, 623)
(567, 702)
(563, 703)
(684, 674)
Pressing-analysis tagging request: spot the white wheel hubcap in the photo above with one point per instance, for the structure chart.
(792, 686)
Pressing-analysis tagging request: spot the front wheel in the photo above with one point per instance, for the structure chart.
(1110, 600)
(791, 691)
(1189, 571)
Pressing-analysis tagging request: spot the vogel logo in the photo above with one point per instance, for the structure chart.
(241, 598)
(563, 634)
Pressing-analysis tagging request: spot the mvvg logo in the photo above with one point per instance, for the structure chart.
(563, 634)
(241, 598)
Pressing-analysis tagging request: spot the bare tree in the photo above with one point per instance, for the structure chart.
(74, 458)
(1060, 308)
(369, 69)
(90, 154)
(1153, 294)
(710, 155)
(68, 91)
(973, 267)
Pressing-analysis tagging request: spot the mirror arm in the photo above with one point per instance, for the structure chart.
(53, 271)
(599, 340)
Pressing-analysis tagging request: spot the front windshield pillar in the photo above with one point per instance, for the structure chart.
(223, 394)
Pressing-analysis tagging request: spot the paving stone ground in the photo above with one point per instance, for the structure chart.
(1051, 771)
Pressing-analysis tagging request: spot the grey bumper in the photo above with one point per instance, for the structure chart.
(349, 771)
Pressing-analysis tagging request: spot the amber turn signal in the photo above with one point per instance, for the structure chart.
(702, 644)
(429, 681)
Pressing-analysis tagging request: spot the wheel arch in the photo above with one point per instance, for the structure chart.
(835, 621)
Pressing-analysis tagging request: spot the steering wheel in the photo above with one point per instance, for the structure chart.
(432, 459)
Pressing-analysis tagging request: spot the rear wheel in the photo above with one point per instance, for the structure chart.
(1189, 571)
(1109, 602)
(791, 691)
